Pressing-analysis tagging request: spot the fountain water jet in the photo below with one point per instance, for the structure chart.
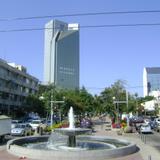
(71, 131)
(71, 118)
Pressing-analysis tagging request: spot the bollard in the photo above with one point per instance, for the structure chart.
(149, 157)
(145, 139)
(142, 137)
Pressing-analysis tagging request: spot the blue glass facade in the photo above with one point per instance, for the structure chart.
(61, 57)
(153, 82)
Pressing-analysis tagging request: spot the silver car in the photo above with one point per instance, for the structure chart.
(15, 122)
(21, 130)
(145, 128)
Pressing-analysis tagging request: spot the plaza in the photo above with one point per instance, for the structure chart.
(145, 150)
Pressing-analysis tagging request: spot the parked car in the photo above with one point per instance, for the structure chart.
(35, 124)
(86, 123)
(136, 122)
(145, 128)
(153, 124)
(157, 127)
(15, 122)
(21, 130)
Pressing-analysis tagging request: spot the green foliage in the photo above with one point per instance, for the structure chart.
(145, 99)
(33, 104)
(81, 100)
(116, 92)
(54, 126)
(63, 124)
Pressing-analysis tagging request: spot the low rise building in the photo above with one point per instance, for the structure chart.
(15, 85)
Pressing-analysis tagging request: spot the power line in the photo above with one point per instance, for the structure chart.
(128, 87)
(23, 30)
(88, 26)
(80, 14)
(121, 25)
(101, 88)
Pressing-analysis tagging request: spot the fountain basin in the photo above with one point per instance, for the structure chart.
(72, 131)
(117, 148)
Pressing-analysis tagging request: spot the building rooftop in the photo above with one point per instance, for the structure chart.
(153, 70)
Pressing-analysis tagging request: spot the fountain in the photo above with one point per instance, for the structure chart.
(70, 144)
(71, 119)
(71, 131)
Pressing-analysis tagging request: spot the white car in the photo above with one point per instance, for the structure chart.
(145, 128)
(35, 124)
(14, 123)
(21, 130)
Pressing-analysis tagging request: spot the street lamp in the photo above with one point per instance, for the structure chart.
(54, 102)
(116, 102)
(116, 107)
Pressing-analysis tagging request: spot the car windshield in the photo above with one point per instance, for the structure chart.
(20, 126)
(16, 121)
(35, 122)
(145, 125)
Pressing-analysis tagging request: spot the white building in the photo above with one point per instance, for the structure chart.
(149, 105)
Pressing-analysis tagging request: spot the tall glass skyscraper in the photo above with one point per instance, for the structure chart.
(151, 80)
(61, 54)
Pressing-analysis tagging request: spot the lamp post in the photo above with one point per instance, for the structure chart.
(114, 98)
(116, 105)
(127, 100)
(54, 102)
(117, 102)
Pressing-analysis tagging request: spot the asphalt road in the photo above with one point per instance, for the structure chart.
(153, 140)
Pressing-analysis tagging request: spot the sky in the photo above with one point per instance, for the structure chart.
(106, 54)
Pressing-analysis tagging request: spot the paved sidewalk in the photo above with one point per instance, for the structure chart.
(143, 154)
(146, 151)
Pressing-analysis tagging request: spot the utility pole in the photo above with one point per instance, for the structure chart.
(54, 102)
(119, 102)
(51, 111)
(127, 100)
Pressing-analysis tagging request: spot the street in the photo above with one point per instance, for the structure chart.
(153, 140)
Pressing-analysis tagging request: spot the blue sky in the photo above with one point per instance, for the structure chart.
(106, 54)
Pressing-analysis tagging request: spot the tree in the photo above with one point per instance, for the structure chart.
(33, 104)
(86, 100)
(117, 91)
(82, 101)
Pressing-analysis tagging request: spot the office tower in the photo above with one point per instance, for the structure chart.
(61, 54)
(151, 80)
